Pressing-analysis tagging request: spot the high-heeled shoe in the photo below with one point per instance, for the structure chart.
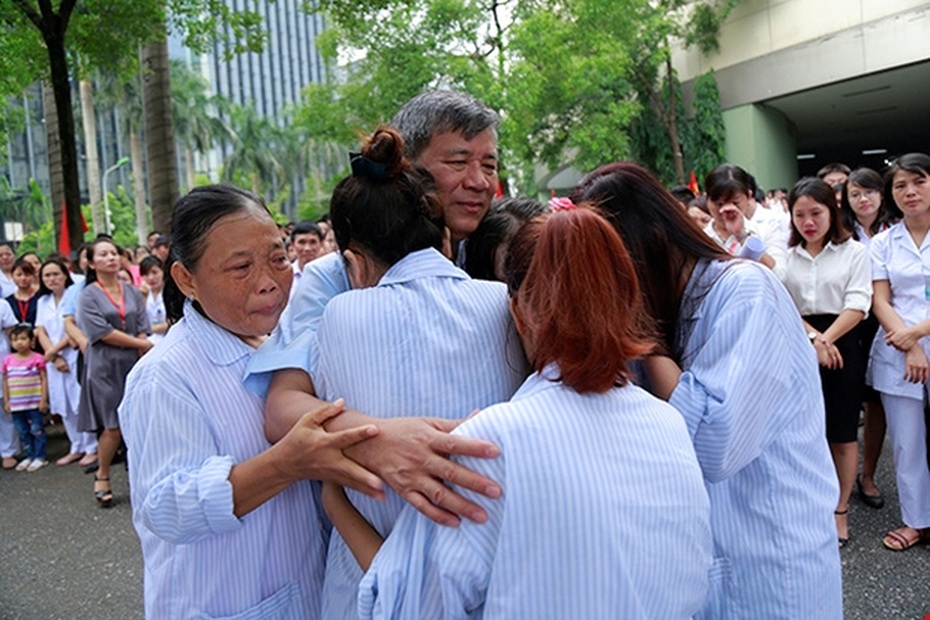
(104, 496)
(842, 541)
(872, 501)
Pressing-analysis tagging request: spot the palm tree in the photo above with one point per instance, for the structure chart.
(197, 123)
(253, 152)
(125, 95)
(159, 131)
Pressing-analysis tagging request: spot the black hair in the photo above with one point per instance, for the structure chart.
(915, 163)
(192, 220)
(149, 263)
(385, 208)
(24, 265)
(504, 218)
(726, 181)
(682, 193)
(306, 227)
(821, 193)
(53, 260)
(660, 236)
(91, 272)
(867, 178)
(23, 328)
(833, 167)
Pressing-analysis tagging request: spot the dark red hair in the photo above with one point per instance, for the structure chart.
(578, 293)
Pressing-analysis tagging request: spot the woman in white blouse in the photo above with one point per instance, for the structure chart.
(866, 214)
(827, 274)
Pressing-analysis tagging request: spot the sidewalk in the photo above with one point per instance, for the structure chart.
(64, 557)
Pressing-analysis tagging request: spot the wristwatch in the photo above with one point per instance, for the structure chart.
(812, 336)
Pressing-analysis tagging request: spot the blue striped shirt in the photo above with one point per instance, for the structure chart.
(750, 395)
(604, 515)
(187, 420)
(426, 341)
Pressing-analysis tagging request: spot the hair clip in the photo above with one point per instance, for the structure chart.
(559, 203)
(368, 168)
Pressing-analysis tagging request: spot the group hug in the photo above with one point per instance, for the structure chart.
(628, 421)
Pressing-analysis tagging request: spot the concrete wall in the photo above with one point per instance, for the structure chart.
(851, 37)
(761, 140)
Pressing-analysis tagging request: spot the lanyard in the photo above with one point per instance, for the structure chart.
(23, 308)
(120, 307)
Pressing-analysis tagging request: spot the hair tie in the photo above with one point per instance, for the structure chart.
(364, 167)
(561, 204)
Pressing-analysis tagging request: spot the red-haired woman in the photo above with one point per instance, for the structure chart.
(603, 502)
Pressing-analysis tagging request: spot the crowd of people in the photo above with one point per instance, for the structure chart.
(436, 404)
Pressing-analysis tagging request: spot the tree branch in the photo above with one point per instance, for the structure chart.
(31, 15)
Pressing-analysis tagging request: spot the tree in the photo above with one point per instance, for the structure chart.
(568, 78)
(95, 30)
(253, 154)
(195, 114)
(124, 93)
(39, 36)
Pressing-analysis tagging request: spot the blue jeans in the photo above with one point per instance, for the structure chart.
(31, 428)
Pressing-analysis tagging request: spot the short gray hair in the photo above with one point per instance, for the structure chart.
(441, 111)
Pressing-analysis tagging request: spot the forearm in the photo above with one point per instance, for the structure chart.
(117, 338)
(663, 373)
(362, 539)
(75, 333)
(846, 320)
(256, 480)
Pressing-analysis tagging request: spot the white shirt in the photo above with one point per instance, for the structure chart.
(838, 278)
(774, 244)
(897, 259)
(604, 516)
(7, 286)
(187, 419)
(155, 307)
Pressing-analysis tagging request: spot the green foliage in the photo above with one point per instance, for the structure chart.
(578, 82)
(201, 22)
(707, 148)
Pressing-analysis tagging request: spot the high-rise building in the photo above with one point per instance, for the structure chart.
(269, 81)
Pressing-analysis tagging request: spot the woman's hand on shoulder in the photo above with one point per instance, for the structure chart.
(308, 451)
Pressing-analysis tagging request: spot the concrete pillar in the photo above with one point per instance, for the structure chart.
(761, 140)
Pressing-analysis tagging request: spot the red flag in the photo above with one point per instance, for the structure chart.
(693, 185)
(64, 241)
(499, 192)
(84, 227)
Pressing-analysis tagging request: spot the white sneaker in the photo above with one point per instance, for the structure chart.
(24, 465)
(37, 464)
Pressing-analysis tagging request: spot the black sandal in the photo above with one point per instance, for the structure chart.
(842, 541)
(104, 496)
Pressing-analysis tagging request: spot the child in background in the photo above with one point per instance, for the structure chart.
(25, 396)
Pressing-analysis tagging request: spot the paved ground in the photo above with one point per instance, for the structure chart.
(63, 557)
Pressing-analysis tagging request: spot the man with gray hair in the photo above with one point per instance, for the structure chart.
(452, 136)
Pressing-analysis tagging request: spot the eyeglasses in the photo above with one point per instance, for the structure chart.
(857, 196)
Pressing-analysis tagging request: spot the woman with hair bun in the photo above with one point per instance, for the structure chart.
(415, 337)
(603, 502)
